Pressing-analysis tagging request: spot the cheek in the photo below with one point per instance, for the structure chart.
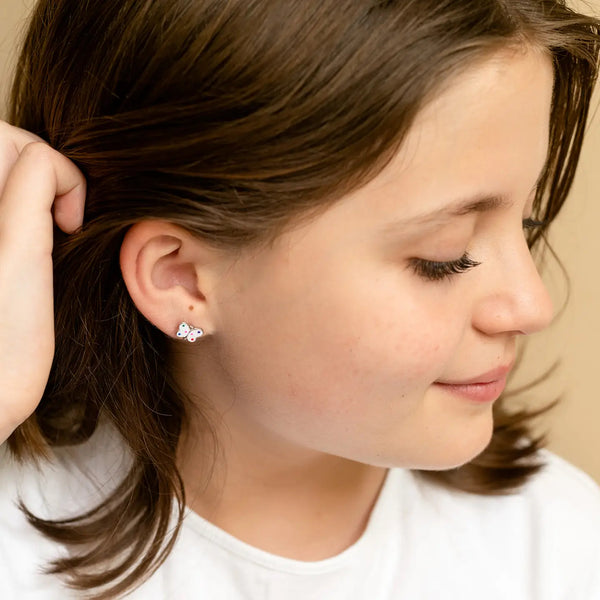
(331, 350)
(326, 333)
(346, 368)
(400, 345)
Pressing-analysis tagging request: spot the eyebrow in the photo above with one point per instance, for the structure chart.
(437, 217)
(478, 204)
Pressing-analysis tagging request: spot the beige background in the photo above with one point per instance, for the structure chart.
(574, 426)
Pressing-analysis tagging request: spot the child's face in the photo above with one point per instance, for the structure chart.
(333, 342)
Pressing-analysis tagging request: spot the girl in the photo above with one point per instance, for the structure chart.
(282, 326)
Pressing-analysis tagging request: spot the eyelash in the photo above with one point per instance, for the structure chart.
(533, 224)
(432, 270)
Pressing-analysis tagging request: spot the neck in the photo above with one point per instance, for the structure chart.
(286, 500)
(262, 488)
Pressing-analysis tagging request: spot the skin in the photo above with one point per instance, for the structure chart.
(321, 354)
(38, 187)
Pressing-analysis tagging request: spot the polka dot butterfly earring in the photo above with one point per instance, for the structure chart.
(191, 334)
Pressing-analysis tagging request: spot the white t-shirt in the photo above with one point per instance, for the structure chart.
(422, 542)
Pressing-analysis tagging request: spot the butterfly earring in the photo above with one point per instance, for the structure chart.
(191, 334)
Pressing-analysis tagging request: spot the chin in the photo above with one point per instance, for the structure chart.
(451, 453)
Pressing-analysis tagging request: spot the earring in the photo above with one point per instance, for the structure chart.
(191, 334)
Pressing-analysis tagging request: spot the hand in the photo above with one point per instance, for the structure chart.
(34, 180)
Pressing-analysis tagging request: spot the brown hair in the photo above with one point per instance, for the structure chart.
(200, 114)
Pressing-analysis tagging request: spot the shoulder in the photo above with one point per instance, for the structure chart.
(565, 503)
(552, 493)
(71, 481)
(67, 485)
(560, 486)
(546, 535)
(559, 500)
(23, 551)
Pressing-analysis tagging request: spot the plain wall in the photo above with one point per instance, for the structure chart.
(574, 426)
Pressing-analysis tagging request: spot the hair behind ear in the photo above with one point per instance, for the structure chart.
(232, 120)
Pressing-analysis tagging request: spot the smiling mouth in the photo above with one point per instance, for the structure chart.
(492, 376)
(484, 388)
(476, 392)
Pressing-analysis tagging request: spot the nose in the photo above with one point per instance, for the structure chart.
(515, 299)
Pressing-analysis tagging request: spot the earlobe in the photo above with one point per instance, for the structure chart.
(164, 272)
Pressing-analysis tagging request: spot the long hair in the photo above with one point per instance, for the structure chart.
(234, 119)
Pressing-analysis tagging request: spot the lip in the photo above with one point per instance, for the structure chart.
(483, 388)
(477, 392)
(487, 377)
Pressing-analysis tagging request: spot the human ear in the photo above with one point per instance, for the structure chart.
(171, 276)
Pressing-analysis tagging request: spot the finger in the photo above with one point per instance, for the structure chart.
(69, 207)
(12, 142)
(39, 176)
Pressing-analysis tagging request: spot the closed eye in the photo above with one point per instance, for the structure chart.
(433, 270)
